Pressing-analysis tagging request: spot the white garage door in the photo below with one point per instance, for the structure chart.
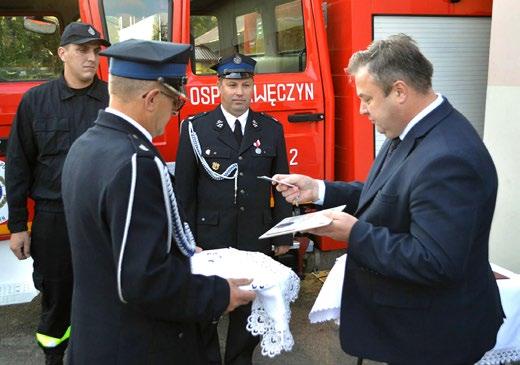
(458, 47)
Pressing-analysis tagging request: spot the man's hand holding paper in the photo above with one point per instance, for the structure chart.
(340, 227)
(306, 190)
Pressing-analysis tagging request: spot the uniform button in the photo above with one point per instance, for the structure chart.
(203, 219)
(241, 174)
(240, 158)
(242, 191)
(181, 335)
(242, 208)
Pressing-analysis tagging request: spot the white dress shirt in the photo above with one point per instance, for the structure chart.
(230, 119)
(131, 121)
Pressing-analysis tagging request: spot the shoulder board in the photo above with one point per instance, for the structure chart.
(270, 117)
(194, 117)
(197, 116)
(140, 147)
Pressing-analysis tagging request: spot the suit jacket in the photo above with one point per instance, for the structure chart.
(418, 286)
(121, 236)
(210, 204)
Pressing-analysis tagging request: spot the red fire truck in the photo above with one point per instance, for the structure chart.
(301, 48)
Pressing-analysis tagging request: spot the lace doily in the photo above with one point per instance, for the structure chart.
(500, 356)
(276, 287)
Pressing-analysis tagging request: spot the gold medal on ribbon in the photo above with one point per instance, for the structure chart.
(215, 166)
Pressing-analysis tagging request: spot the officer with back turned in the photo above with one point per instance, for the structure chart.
(135, 300)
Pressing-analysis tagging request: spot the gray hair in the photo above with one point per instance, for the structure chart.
(127, 90)
(392, 59)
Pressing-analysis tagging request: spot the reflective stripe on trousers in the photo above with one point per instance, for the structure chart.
(50, 342)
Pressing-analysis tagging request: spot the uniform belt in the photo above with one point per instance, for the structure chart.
(55, 206)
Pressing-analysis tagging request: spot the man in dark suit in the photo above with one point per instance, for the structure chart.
(220, 156)
(135, 300)
(418, 286)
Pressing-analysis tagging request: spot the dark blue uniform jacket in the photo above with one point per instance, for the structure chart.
(210, 205)
(157, 324)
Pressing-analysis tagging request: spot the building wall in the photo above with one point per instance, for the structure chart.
(502, 131)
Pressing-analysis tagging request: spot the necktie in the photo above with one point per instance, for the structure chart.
(393, 146)
(238, 132)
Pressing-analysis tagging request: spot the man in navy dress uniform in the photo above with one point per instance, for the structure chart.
(135, 300)
(220, 156)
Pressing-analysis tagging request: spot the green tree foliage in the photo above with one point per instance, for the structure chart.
(202, 24)
(26, 55)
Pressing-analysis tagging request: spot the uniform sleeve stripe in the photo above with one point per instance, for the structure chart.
(127, 226)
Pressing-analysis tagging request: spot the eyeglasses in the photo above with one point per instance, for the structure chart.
(177, 102)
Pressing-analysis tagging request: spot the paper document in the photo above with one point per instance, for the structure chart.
(301, 223)
(276, 181)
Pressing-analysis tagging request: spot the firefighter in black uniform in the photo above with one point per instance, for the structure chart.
(49, 118)
(220, 156)
(135, 300)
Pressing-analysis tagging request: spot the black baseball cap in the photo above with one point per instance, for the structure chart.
(79, 33)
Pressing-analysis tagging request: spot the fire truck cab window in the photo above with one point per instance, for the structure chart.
(139, 19)
(29, 47)
(270, 31)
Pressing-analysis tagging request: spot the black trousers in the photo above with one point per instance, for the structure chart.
(52, 276)
(240, 343)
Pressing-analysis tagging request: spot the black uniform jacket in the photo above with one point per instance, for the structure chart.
(49, 118)
(163, 299)
(418, 286)
(210, 204)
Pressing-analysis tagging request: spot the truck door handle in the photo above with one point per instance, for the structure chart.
(311, 117)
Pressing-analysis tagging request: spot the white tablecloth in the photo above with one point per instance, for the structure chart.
(507, 347)
(276, 287)
(328, 303)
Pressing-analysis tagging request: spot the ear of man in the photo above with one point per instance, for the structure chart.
(401, 90)
(61, 53)
(151, 100)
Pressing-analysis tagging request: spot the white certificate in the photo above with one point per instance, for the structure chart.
(301, 223)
